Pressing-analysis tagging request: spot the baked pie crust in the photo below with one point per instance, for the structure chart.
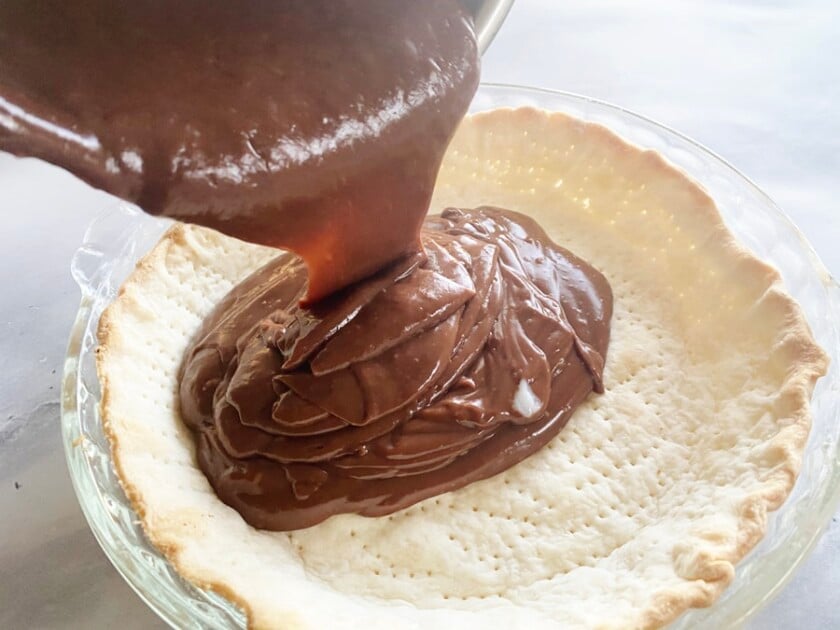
(640, 507)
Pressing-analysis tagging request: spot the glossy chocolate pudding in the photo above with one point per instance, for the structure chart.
(374, 363)
(446, 367)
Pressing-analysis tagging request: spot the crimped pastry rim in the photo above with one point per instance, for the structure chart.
(810, 364)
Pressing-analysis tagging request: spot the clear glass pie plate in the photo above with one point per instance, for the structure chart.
(116, 240)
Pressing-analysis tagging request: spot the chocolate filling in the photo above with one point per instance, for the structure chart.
(380, 363)
(446, 367)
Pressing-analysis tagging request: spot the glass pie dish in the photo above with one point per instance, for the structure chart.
(115, 242)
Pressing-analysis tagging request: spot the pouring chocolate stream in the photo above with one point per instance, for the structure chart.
(315, 126)
(380, 363)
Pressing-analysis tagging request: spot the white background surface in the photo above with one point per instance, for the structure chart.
(757, 82)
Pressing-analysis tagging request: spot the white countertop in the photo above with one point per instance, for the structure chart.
(757, 82)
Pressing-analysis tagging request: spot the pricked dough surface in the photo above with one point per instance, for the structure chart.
(635, 512)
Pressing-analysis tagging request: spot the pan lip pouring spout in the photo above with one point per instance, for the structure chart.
(489, 16)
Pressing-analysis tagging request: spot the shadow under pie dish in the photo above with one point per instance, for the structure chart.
(635, 512)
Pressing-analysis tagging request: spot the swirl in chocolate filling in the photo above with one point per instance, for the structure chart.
(444, 368)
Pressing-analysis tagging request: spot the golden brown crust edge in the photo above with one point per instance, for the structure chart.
(710, 574)
(109, 327)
